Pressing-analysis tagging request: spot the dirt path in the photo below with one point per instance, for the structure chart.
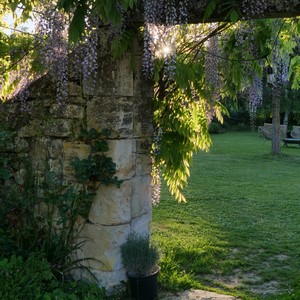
(195, 295)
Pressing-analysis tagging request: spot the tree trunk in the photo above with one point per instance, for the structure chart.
(276, 120)
(287, 107)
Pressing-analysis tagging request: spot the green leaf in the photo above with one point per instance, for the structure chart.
(210, 9)
(121, 44)
(14, 5)
(234, 16)
(99, 146)
(77, 25)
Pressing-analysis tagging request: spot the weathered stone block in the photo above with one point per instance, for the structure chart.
(124, 77)
(57, 128)
(55, 165)
(121, 151)
(34, 128)
(143, 145)
(74, 89)
(71, 111)
(20, 176)
(116, 77)
(143, 164)
(70, 151)
(39, 154)
(21, 145)
(103, 243)
(143, 87)
(110, 280)
(142, 126)
(141, 225)
(55, 148)
(110, 112)
(111, 205)
(141, 196)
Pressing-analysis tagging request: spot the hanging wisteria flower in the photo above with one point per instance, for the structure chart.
(54, 51)
(157, 36)
(252, 8)
(211, 67)
(156, 185)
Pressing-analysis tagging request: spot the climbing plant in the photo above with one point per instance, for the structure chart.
(193, 66)
(43, 214)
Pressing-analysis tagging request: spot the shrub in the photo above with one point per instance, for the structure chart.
(242, 127)
(214, 128)
(21, 278)
(32, 279)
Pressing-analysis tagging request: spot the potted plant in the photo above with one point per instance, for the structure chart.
(140, 259)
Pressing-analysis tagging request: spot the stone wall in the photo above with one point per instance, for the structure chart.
(121, 102)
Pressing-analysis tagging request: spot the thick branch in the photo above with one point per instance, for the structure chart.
(276, 9)
(197, 8)
(222, 11)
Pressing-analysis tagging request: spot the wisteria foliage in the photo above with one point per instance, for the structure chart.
(54, 54)
(193, 67)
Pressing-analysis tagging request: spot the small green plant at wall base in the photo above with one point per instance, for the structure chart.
(32, 279)
(23, 279)
(139, 256)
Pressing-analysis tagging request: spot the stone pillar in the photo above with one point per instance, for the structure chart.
(121, 103)
(49, 137)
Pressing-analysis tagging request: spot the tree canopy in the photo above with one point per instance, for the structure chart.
(196, 52)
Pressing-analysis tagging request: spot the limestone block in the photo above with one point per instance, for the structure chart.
(39, 154)
(20, 176)
(33, 128)
(111, 205)
(141, 196)
(143, 146)
(57, 127)
(74, 89)
(21, 145)
(77, 100)
(38, 109)
(70, 151)
(22, 159)
(55, 147)
(143, 87)
(115, 77)
(103, 244)
(141, 225)
(121, 151)
(143, 116)
(88, 88)
(143, 164)
(71, 111)
(114, 113)
(124, 78)
(110, 280)
(55, 165)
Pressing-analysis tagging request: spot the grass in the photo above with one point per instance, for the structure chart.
(239, 232)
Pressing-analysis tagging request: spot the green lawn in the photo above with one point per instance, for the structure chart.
(239, 232)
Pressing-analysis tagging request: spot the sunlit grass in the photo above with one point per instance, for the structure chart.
(240, 229)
